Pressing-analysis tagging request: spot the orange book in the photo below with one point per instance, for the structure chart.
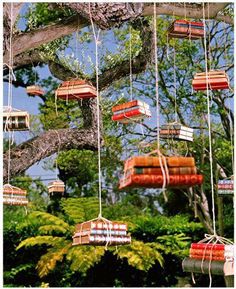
(215, 258)
(209, 252)
(158, 171)
(148, 161)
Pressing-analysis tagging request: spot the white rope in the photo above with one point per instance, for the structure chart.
(209, 126)
(175, 88)
(163, 169)
(130, 64)
(96, 38)
(10, 75)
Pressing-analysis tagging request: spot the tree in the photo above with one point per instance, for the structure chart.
(26, 51)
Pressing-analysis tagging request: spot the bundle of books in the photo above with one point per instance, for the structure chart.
(76, 89)
(186, 29)
(131, 111)
(218, 257)
(14, 119)
(56, 186)
(176, 131)
(100, 232)
(14, 196)
(34, 90)
(215, 80)
(225, 187)
(146, 171)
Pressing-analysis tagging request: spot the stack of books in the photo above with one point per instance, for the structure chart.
(14, 196)
(176, 131)
(186, 29)
(34, 90)
(76, 89)
(145, 171)
(225, 187)
(56, 186)
(100, 233)
(15, 119)
(215, 80)
(218, 257)
(131, 111)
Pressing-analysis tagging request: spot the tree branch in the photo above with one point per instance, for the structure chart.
(38, 148)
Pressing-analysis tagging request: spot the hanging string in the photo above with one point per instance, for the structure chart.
(161, 157)
(130, 64)
(185, 12)
(209, 126)
(175, 87)
(10, 75)
(209, 37)
(96, 38)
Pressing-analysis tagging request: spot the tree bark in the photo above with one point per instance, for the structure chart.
(105, 15)
(48, 143)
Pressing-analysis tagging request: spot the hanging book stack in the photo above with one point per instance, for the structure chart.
(176, 131)
(56, 186)
(218, 257)
(76, 89)
(14, 196)
(225, 187)
(100, 232)
(34, 90)
(146, 171)
(186, 29)
(131, 111)
(215, 80)
(14, 119)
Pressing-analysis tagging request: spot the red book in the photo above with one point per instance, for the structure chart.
(130, 114)
(158, 171)
(215, 258)
(207, 246)
(129, 104)
(156, 181)
(209, 252)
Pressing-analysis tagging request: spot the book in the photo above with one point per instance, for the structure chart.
(130, 104)
(150, 161)
(131, 114)
(156, 181)
(176, 132)
(99, 224)
(207, 246)
(207, 257)
(158, 171)
(202, 266)
(101, 240)
(210, 252)
(176, 137)
(131, 109)
(225, 192)
(100, 232)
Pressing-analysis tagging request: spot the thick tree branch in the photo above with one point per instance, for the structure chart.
(38, 148)
(105, 15)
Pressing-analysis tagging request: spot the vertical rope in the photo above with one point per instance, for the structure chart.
(209, 125)
(96, 37)
(164, 169)
(130, 64)
(156, 78)
(10, 75)
(209, 37)
(175, 87)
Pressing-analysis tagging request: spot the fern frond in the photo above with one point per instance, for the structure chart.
(140, 255)
(49, 260)
(80, 209)
(82, 258)
(46, 218)
(40, 240)
(48, 229)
